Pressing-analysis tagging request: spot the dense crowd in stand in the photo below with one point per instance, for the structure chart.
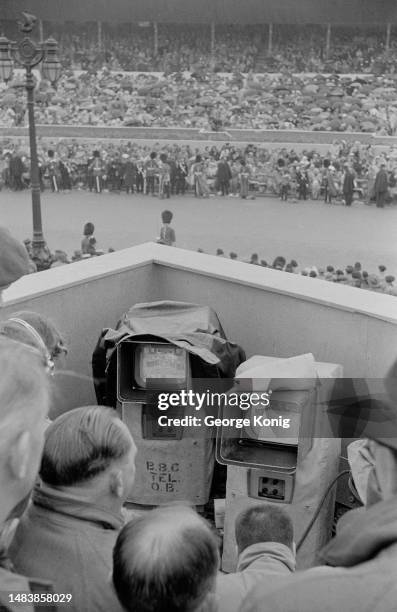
(295, 48)
(68, 541)
(209, 101)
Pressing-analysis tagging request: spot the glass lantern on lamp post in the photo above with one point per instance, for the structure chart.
(28, 54)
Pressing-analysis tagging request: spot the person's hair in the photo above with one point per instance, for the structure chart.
(89, 229)
(198, 159)
(165, 561)
(24, 386)
(82, 443)
(51, 337)
(264, 523)
(279, 261)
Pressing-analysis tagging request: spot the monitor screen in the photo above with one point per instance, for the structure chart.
(278, 424)
(160, 361)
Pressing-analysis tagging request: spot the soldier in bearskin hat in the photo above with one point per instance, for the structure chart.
(167, 233)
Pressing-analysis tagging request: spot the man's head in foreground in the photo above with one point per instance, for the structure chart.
(166, 561)
(263, 523)
(90, 450)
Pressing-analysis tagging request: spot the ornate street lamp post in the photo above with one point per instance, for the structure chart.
(28, 54)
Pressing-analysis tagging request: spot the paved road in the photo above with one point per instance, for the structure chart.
(310, 232)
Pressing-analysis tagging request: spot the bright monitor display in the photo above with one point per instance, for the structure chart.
(269, 428)
(160, 361)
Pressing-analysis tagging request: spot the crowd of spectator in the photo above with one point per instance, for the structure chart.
(64, 483)
(346, 172)
(351, 275)
(209, 101)
(130, 47)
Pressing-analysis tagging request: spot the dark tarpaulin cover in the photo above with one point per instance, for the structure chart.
(190, 326)
(193, 327)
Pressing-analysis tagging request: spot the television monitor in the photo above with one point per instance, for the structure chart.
(280, 422)
(165, 362)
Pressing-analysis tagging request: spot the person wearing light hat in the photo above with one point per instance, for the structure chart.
(363, 555)
(349, 274)
(14, 259)
(374, 283)
(389, 287)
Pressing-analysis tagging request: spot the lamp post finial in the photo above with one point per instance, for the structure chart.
(28, 23)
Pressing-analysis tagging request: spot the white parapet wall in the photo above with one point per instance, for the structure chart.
(265, 311)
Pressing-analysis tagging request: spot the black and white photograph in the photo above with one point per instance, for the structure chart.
(198, 306)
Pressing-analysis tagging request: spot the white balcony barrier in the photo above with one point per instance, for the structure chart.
(265, 311)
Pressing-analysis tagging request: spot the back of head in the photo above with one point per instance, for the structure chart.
(37, 331)
(165, 561)
(279, 262)
(46, 329)
(264, 523)
(81, 444)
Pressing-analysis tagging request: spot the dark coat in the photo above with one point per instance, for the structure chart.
(130, 172)
(69, 541)
(348, 183)
(381, 182)
(16, 166)
(224, 173)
